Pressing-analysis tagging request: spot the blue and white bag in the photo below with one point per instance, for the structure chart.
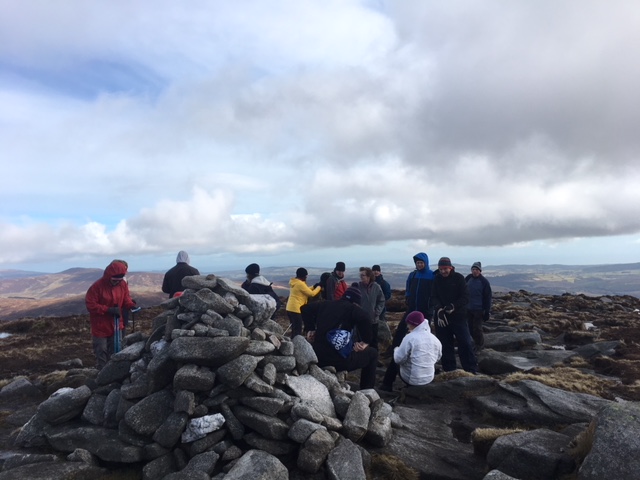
(341, 340)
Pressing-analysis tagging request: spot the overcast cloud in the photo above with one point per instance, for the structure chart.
(306, 130)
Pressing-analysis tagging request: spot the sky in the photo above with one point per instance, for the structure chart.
(304, 132)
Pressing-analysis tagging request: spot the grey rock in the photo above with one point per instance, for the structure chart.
(256, 384)
(452, 391)
(258, 465)
(265, 425)
(82, 455)
(19, 387)
(159, 468)
(26, 459)
(307, 388)
(616, 445)
(212, 352)
(282, 364)
(492, 362)
(305, 409)
(203, 462)
(537, 454)
(204, 444)
(131, 353)
(356, 421)
(60, 408)
(94, 410)
(510, 341)
(194, 378)
(286, 348)
(328, 380)
(146, 416)
(315, 451)
(498, 475)
(185, 402)
(267, 405)
(231, 324)
(274, 447)
(235, 372)
(198, 428)
(203, 300)
(170, 431)
(113, 372)
(345, 462)
(111, 404)
(260, 347)
(269, 373)
(302, 429)
(379, 431)
(32, 433)
(235, 426)
(597, 349)
(303, 353)
(54, 471)
(198, 282)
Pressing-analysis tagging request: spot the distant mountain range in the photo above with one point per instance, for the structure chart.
(54, 294)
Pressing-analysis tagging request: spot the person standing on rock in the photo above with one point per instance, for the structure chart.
(330, 326)
(106, 299)
(257, 284)
(372, 301)
(336, 285)
(479, 307)
(299, 295)
(172, 282)
(449, 299)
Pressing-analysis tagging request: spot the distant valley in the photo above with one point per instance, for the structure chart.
(30, 294)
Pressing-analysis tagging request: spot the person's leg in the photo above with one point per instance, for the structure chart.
(99, 345)
(445, 335)
(367, 360)
(374, 336)
(465, 346)
(296, 323)
(390, 376)
(476, 329)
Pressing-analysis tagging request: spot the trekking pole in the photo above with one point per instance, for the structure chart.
(116, 333)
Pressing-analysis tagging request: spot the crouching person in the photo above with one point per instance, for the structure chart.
(331, 327)
(418, 353)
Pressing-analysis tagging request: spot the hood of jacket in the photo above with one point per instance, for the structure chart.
(422, 256)
(114, 269)
(183, 257)
(295, 281)
(260, 280)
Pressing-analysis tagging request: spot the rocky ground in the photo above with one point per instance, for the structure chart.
(40, 348)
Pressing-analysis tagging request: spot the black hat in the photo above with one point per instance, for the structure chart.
(252, 269)
(444, 262)
(376, 268)
(301, 272)
(353, 295)
(340, 267)
(477, 265)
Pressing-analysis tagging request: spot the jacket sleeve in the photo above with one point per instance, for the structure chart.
(401, 354)
(486, 296)
(165, 284)
(380, 302)
(463, 294)
(386, 290)
(309, 292)
(93, 301)
(436, 303)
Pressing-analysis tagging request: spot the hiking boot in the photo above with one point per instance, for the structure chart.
(385, 388)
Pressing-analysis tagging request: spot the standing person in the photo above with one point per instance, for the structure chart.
(372, 301)
(336, 286)
(384, 286)
(417, 295)
(299, 295)
(479, 307)
(107, 298)
(418, 353)
(326, 324)
(449, 298)
(257, 284)
(172, 282)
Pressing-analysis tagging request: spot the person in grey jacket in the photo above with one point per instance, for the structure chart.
(479, 307)
(373, 301)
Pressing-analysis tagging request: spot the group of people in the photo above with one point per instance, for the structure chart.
(344, 323)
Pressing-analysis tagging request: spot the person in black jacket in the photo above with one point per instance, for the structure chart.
(322, 318)
(172, 282)
(449, 299)
(479, 308)
(257, 284)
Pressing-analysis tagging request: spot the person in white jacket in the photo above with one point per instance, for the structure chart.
(419, 351)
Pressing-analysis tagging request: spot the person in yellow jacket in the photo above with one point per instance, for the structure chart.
(299, 295)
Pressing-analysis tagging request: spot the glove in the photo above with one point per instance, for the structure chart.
(450, 308)
(113, 311)
(442, 318)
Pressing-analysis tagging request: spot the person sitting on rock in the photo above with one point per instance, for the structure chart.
(299, 295)
(257, 284)
(330, 329)
(172, 282)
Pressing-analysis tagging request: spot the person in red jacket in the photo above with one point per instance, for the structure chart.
(106, 298)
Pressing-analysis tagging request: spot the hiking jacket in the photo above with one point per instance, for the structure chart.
(102, 295)
(418, 288)
(479, 298)
(299, 294)
(451, 290)
(172, 281)
(335, 287)
(372, 300)
(384, 285)
(417, 355)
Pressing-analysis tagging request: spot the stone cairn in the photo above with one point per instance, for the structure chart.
(216, 389)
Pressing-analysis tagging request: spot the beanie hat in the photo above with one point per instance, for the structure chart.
(376, 268)
(444, 262)
(415, 318)
(252, 269)
(353, 295)
(477, 265)
(340, 267)
(301, 272)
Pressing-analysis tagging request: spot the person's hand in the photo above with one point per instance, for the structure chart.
(311, 336)
(442, 318)
(359, 346)
(113, 311)
(450, 308)
(316, 285)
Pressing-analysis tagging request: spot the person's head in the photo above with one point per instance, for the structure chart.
(302, 273)
(444, 266)
(376, 270)
(414, 319)
(115, 272)
(352, 294)
(340, 269)
(421, 260)
(366, 275)
(252, 270)
(476, 269)
(183, 257)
